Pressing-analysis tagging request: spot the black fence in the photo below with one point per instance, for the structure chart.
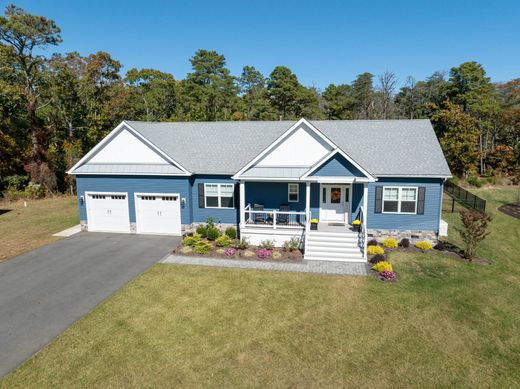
(464, 197)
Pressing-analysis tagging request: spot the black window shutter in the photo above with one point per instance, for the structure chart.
(379, 200)
(236, 199)
(201, 196)
(420, 200)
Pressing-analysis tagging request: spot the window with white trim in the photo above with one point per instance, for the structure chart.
(219, 195)
(399, 200)
(293, 192)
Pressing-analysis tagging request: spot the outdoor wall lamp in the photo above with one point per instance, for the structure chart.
(183, 202)
(81, 200)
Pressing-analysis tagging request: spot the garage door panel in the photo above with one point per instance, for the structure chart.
(158, 214)
(108, 212)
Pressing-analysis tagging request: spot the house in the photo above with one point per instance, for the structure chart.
(270, 179)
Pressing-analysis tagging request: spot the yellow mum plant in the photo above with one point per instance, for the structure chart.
(391, 243)
(382, 266)
(424, 245)
(373, 250)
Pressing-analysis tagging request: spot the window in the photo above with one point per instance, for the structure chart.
(399, 200)
(219, 195)
(293, 192)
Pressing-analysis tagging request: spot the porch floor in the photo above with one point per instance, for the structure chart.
(334, 227)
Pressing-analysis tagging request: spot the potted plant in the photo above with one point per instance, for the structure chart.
(314, 224)
(357, 225)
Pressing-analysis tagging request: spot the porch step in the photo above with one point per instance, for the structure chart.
(325, 234)
(318, 256)
(333, 249)
(332, 239)
(333, 246)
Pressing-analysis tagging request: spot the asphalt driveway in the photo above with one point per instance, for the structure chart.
(43, 292)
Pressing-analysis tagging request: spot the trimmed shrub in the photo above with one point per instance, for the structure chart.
(186, 249)
(424, 245)
(220, 251)
(248, 253)
(382, 266)
(266, 244)
(230, 252)
(191, 240)
(390, 243)
(441, 246)
(377, 258)
(241, 244)
(210, 222)
(291, 244)
(203, 247)
(276, 255)
(263, 253)
(372, 250)
(212, 233)
(231, 232)
(372, 242)
(405, 242)
(223, 241)
(202, 230)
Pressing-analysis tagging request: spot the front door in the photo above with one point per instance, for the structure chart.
(334, 203)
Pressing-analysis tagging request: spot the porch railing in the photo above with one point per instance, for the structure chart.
(362, 234)
(274, 218)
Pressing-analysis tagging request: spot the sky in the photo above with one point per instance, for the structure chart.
(322, 42)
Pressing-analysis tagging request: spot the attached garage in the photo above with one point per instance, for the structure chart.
(158, 213)
(108, 212)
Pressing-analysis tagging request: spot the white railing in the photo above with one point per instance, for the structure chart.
(274, 218)
(362, 234)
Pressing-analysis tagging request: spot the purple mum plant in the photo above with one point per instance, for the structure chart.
(263, 253)
(230, 252)
(388, 275)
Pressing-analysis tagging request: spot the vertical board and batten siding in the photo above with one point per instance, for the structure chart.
(337, 166)
(220, 215)
(132, 185)
(429, 221)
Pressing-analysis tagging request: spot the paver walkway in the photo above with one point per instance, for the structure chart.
(321, 267)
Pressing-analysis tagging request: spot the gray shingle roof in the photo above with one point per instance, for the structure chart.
(98, 168)
(382, 147)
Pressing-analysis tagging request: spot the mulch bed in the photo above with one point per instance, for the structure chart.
(511, 210)
(295, 256)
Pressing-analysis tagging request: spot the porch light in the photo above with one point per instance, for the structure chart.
(81, 200)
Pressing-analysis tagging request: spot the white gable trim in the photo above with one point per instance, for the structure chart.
(113, 134)
(328, 157)
(280, 139)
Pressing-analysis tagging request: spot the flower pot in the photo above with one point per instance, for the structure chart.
(314, 226)
(357, 227)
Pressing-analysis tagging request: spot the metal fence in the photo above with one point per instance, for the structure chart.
(464, 197)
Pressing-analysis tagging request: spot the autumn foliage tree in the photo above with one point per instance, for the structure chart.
(475, 225)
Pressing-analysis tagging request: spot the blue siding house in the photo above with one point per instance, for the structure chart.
(331, 184)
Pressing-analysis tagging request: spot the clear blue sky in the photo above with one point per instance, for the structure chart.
(322, 41)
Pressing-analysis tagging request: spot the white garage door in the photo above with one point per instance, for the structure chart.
(108, 212)
(158, 213)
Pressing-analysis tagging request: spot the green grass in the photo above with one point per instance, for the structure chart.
(24, 228)
(445, 324)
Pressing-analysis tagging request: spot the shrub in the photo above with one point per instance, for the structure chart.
(230, 252)
(371, 250)
(248, 253)
(16, 182)
(35, 191)
(372, 242)
(276, 255)
(220, 251)
(241, 244)
(223, 241)
(388, 275)
(186, 249)
(231, 232)
(203, 247)
(424, 245)
(210, 222)
(377, 258)
(212, 233)
(474, 230)
(382, 266)
(474, 181)
(390, 243)
(202, 230)
(263, 253)
(291, 244)
(191, 240)
(266, 244)
(405, 242)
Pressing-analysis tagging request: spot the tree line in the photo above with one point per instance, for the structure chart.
(54, 108)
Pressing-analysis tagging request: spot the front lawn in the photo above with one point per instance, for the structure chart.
(25, 228)
(446, 323)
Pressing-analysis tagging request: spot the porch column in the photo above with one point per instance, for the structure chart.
(242, 198)
(307, 204)
(365, 211)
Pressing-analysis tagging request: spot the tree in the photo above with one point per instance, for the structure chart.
(283, 90)
(385, 94)
(339, 102)
(252, 88)
(363, 93)
(24, 33)
(458, 138)
(474, 231)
